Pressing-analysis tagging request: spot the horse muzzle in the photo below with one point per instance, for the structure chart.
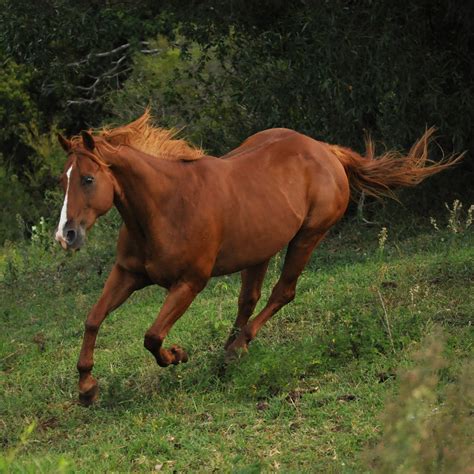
(71, 238)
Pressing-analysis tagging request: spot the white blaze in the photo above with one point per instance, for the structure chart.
(63, 218)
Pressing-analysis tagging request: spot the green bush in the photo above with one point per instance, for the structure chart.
(36, 192)
(187, 91)
(332, 70)
(18, 109)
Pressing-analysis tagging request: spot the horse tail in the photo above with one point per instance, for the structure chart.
(379, 176)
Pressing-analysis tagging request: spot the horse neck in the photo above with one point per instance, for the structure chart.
(142, 182)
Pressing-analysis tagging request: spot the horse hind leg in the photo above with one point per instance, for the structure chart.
(297, 255)
(250, 292)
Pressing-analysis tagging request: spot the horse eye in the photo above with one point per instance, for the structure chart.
(87, 180)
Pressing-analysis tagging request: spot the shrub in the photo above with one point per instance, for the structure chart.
(425, 430)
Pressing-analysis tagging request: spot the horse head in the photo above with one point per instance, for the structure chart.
(89, 189)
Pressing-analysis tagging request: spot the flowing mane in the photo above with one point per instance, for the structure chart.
(144, 136)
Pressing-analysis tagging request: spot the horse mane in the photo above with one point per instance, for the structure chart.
(142, 135)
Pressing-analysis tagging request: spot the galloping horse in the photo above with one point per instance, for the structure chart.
(188, 217)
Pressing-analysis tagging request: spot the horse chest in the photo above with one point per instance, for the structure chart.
(158, 275)
(164, 268)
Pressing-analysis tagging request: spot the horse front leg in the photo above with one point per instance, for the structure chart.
(119, 286)
(176, 303)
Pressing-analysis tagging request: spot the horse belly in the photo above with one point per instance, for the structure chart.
(253, 237)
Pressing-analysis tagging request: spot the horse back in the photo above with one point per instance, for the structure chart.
(277, 183)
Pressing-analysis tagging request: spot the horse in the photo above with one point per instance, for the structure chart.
(188, 217)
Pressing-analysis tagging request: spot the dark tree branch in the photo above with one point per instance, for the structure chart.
(91, 92)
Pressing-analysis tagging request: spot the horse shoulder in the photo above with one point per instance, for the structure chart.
(130, 255)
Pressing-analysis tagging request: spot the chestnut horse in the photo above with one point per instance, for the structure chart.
(188, 217)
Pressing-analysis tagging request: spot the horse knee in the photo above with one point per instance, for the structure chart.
(91, 326)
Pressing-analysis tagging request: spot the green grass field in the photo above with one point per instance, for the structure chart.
(326, 380)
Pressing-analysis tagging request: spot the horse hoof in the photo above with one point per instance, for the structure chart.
(179, 355)
(229, 342)
(233, 354)
(88, 397)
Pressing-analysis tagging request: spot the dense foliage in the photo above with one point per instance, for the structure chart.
(333, 70)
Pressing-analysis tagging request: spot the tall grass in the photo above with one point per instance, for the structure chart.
(331, 384)
(427, 426)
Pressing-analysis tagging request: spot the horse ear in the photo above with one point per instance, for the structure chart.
(64, 142)
(88, 140)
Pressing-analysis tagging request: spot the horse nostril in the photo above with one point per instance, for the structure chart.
(71, 236)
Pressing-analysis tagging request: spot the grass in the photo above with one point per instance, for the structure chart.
(307, 398)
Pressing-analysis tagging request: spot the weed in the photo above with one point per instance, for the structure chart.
(11, 273)
(434, 223)
(41, 235)
(383, 234)
(457, 221)
(386, 320)
(420, 434)
(7, 460)
(469, 217)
